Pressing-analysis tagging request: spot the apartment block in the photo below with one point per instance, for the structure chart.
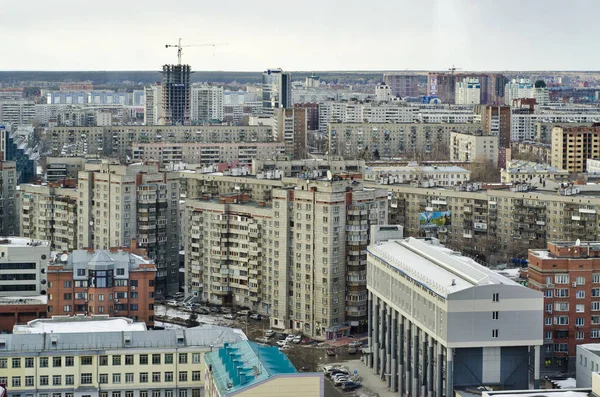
(290, 127)
(468, 91)
(440, 321)
(426, 176)
(61, 168)
(207, 153)
(206, 104)
(102, 357)
(295, 168)
(153, 110)
(17, 112)
(117, 282)
(568, 274)
(572, 146)
(9, 212)
(530, 172)
(403, 85)
(195, 185)
(474, 147)
(301, 257)
(357, 140)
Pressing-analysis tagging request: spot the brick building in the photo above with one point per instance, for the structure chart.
(568, 273)
(116, 282)
(20, 310)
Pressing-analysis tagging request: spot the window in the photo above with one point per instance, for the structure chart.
(561, 279)
(580, 280)
(29, 361)
(168, 376)
(494, 333)
(561, 347)
(67, 308)
(579, 335)
(156, 359)
(103, 378)
(560, 306)
(548, 293)
(495, 297)
(16, 381)
(86, 360)
(155, 393)
(595, 292)
(103, 360)
(156, 377)
(183, 376)
(169, 358)
(129, 359)
(596, 306)
(56, 362)
(16, 362)
(596, 278)
(3, 364)
(548, 335)
(144, 393)
(182, 393)
(67, 284)
(196, 358)
(143, 359)
(69, 380)
(116, 378)
(43, 362)
(561, 293)
(579, 321)
(69, 361)
(580, 308)
(29, 381)
(129, 394)
(143, 377)
(195, 375)
(183, 358)
(494, 315)
(44, 380)
(561, 320)
(595, 319)
(116, 360)
(116, 394)
(129, 377)
(86, 379)
(595, 333)
(580, 294)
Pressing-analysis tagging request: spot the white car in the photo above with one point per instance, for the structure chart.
(290, 338)
(297, 339)
(281, 343)
(229, 316)
(269, 333)
(284, 347)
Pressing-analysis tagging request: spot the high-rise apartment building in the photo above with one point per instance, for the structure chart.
(290, 128)
(443, 86)
(176, 89)
(468, 91)
(9, 212)
(17, 112)
(301, 258)
(568, 274)
(276, 90)
(15, 146)
(517, 89)
(117, 282)
(476, 147)
(572, 146)
(153, 110)
(402, 85)
(312, 114)
(207, 104)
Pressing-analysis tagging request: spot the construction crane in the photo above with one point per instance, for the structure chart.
(453, 69)
(180, 47)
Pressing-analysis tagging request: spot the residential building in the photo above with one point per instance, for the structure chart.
(440, 321)
(15, 146)
(238, 114)
(17, 112)
(316, 167)
(530, 172)
(593, 166)
(248, 369)
(20, 309)
(426, 175)
(310, 277)
(443, 86)
(541, 151)
(207, 153)
(496, 121)
(290, 128)
(207, 104)
(403, 85)
(587, 366)
(468, 91)
(383, 92)
(384, 140)
(195, 185)
(475, 147)
(117, 282)
(568, 274)
(9, 212)
(176, 90)
(538, 126)
(102, 357)
(572, 146)
(61, 168)
(517, 89)
(312, 114)
(541, 95)
(276, 90)
(153, 110)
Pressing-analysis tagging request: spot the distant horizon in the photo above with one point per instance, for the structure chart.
(310, 71)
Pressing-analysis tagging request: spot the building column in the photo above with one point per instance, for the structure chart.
(394, 351)
(375, 347)
(536, 368)
(401, 373)
(370, 328)
(449, 372)
(388, 346)
(430, 368)
(415, 368)
(424, 364)
(382, 339)
(439, 375)
(408, 375)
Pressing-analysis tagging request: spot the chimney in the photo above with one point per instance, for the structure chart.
(133, 245)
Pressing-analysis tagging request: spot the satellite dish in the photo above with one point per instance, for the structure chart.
(91, 223)
(577, 243)
(64, 257)
(329, 175)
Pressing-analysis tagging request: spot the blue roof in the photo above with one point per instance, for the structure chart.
(243, 364)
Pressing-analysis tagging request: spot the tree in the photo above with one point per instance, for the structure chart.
(540, 84)
(484, 171)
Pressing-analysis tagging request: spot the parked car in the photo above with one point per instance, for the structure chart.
(350, 385)
(340, 380)
(179, 295)
(214, 309)
(289, 338)
(327, 368)
(297, 339)
(225, 310)
(256, 316)
(229, 316)
(356, 344)
(283, 336)
(281, 343)
(262, 339)
(172, 303)
(352, 350)
(269, 333)
(336, 371)
(243, 313)
(284, 348)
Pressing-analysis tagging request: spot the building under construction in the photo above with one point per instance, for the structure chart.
(176, 90)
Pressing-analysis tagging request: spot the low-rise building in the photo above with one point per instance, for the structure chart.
(23, 265)
(309, 167)
(116, 282)
(440, 321)
(20, 309)
(247, 369)
(431, 175)
(530, 172)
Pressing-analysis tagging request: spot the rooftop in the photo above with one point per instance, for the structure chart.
(24, 300)
(257, 363)
(437, 268)
(79, 323)
(22, 242)
(543, 393)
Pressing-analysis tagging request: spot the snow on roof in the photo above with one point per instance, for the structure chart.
(436, 267)
(22, 242)
(542, 254)
(569, 383)
(77, 324)
(545, 393)
(24, 300)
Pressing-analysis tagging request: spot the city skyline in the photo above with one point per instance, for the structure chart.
(507, 35)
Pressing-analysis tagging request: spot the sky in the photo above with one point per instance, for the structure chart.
(301, 35)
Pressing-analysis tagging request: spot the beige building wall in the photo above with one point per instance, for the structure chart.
(473, 147)
(571, 147)
(287, 385)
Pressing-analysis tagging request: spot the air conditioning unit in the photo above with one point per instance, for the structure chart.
(133, 288)
(574, 284)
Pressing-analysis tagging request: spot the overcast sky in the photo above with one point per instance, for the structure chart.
(301, 34)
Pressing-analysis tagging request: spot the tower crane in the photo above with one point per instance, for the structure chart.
(453, 69)
(180, 47)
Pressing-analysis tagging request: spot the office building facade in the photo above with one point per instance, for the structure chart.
(276, 90)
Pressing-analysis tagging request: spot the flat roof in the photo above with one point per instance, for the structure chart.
(24, 300)
(544, 393)
(79, 323)
(22, 242)
(436, 267)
